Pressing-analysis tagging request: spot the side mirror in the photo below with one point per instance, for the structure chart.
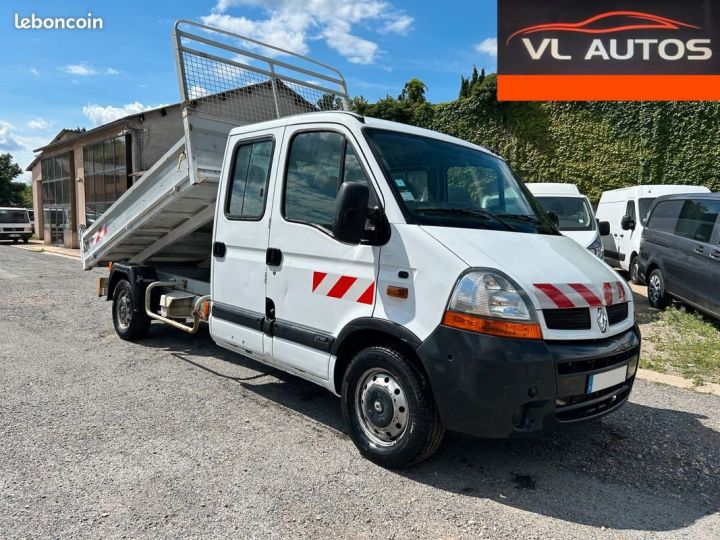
(627, 223)
(604, 228)
(554, 218)
(351, 212)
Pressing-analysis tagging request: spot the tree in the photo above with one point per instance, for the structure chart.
(413, 92)
(13, 193)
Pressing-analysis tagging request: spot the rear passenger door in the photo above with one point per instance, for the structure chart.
(242, 224)
(696, 228)
(315, 283)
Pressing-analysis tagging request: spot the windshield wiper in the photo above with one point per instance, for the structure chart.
(522, 217)
(467, 212)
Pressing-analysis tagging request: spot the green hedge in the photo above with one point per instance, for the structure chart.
(597, 145)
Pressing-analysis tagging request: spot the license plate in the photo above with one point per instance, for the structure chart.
(601, 381)
(14, 236)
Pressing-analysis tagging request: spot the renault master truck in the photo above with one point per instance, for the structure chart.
(406, 271)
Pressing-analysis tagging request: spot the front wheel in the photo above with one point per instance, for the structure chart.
(389, 409)
(657, 295)
(635, 270)
(26, 240)
(130, 321)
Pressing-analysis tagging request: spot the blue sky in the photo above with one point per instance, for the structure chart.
(56, 79)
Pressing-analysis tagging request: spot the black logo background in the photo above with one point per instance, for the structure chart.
(514, 15)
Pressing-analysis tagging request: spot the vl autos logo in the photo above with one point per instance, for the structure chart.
(608, 50)
(35, 22)
(614, 23)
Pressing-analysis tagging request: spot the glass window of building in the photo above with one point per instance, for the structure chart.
(107, 172)
(56, 196)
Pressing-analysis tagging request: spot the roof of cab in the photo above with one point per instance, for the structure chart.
(653, 190)
(553, 188)
(350, 119)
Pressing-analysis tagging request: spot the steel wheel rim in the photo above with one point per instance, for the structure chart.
(655, 288)
(634, 270)
(123, 310)
(379, 398)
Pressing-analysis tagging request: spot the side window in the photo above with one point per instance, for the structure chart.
(697, 220)
(630, 210)
(664, 217)
(248, 186)
(318, 163)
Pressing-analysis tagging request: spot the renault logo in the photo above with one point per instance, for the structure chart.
(602, 320)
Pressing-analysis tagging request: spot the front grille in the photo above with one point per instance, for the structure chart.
(567, 319)
(585, 406)
(617, 313)
(13, 229)
(595, 364)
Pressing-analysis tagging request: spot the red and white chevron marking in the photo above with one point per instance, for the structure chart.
(99, 235)
(575, 295)
(353, 289)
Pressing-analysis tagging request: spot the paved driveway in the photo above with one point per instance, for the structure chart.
(173, 436)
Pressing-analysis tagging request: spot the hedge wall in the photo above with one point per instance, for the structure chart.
(597, 145)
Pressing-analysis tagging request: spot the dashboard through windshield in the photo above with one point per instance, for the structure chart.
(450, 185)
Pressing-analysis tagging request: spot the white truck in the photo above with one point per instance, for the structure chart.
(406, 271)
(573, 212)
(626, 210)
(15, 224)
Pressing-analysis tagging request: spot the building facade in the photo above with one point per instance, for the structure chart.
(81, 173)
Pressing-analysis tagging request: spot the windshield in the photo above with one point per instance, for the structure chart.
(644, 205)
(449, 185)
(13, 216)
(574, 212)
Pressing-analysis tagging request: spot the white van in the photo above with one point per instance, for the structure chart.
(626, 210)
(15, 224)
(575, 217)
(406, 271)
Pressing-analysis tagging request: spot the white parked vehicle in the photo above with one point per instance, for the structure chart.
(404, 270)
(15, 224)
(626, 210)
(574, 214)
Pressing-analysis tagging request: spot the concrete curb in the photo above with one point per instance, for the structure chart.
(678, 382)
(52, 250)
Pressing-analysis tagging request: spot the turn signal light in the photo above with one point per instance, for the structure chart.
(493, 327)
(205, 311)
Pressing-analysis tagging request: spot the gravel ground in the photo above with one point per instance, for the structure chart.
(173, 436)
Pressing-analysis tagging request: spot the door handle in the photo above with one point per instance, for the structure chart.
(219, 249)
(273, 257)
(699, 249)
(715, 254)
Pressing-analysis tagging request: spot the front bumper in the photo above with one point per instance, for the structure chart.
(14, 235)
(495, 387)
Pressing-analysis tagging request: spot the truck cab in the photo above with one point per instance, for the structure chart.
(15, 225)
(406, 271)
(410, 273)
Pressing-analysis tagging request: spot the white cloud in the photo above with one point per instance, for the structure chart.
(82, 69)
(35, 72)
(292, 24)
(111, 71)
(399, 25)
(488, 46)
(197, 91)
(38, 124)
(9, 141)
(98, 114)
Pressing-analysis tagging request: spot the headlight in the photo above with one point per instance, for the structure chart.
(487, 302)
(596, 248)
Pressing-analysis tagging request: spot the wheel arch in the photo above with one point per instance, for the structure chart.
(367, 332)
(138, 276)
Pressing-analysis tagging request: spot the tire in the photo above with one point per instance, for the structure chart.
(130, 325)
(26, 240)
(635, 271)
(657, 295)
(399, 424)
(15, 240)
